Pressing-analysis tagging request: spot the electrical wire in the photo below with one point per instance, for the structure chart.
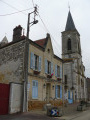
(50, 34)
(44, 24)
(25, 14)
(15, 12)
(12, 7)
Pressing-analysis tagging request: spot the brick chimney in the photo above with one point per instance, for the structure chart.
(17, 32)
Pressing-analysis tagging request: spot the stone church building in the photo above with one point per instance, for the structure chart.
(74, 70)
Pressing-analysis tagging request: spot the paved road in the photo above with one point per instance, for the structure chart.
(85, 115)
(27, 116)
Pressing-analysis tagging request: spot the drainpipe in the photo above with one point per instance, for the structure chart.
(72, 80)
(62, 85)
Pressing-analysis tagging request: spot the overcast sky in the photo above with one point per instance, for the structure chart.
(54, 15)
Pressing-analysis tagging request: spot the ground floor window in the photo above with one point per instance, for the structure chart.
(58, 91)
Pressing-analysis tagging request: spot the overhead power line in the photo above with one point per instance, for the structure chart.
(50, 33)
(12, 7)
(16, 12)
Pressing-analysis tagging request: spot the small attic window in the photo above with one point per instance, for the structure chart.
(48, 50)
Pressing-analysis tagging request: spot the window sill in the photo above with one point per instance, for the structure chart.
(49, 76)
(36, 72)
(58, 98)
(58, 78)
(34, 98)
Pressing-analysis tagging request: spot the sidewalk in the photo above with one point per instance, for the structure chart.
(70, 109)
(70, 112)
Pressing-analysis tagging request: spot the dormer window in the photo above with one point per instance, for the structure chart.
(69, 44)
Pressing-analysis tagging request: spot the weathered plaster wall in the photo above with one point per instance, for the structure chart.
(11, 63)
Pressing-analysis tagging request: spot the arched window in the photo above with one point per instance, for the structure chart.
(69, 44)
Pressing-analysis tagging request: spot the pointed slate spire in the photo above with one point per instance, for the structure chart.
(70, 24)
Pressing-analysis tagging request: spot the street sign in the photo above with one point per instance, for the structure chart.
(54, 112)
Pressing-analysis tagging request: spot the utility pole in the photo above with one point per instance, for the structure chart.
(26, 53)
(31, 23)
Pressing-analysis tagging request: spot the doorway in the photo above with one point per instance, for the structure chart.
(48, 92)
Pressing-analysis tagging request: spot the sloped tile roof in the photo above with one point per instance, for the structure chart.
(41, 42)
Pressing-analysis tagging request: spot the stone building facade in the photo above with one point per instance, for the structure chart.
(44, 74)
(74, 70)
(88, 88)
(12, 69)
(38, 84)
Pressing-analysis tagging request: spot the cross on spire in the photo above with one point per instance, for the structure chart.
(68, 6)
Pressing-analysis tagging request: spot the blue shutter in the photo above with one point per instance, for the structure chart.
(68, 94)
(39, 66)
(56, 70)
(51, 67)
(34, 89)
(34, 62)
(31, 60)
(60, 92)
(56, 91)
(45, 65)
(60, 72)
(37, 89)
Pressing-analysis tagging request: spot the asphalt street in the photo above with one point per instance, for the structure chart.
(84, 115)
(27, 116)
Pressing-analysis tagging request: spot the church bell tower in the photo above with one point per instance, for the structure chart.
(70, 40)
(74, 77)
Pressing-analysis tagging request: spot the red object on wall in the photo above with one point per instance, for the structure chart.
(4, 98)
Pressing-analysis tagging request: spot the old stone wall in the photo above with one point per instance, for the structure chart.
(40, 104)
(11, 62)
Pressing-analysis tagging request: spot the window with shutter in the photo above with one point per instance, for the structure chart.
(68, 94)
(51, 67)
(57, 91)
(35, 62)
(45, 65)
(60, 92)
(48, 67)
(31, 60)
(56, 70)
(40, 60)
(60, 72)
